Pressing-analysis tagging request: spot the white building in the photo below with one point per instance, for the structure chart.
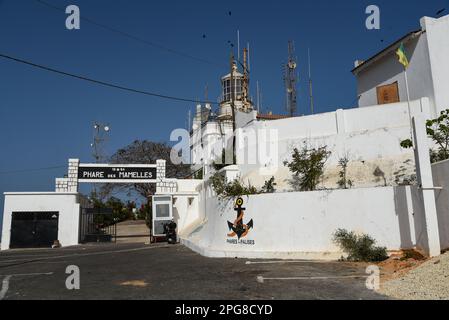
(300, 224)
(212, 132)
(380, 79)
(37, 219)
(370, 136)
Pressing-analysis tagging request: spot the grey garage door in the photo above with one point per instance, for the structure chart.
(34, 229)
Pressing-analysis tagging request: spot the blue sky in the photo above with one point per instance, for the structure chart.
(46, 118)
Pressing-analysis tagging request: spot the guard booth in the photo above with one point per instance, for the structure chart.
(162, 214)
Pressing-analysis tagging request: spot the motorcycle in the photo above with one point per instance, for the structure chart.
(170, 232)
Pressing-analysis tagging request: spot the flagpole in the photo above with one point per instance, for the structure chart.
(402, 56)
(408, 103)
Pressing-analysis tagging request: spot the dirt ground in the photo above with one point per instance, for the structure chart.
(400, 263)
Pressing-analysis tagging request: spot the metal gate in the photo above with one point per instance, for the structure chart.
(98, 225)
(34, 229)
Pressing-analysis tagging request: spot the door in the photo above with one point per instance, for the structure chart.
(34, 229)
(162, 214)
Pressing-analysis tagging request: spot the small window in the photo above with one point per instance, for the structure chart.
(160, 199)
(162, 211)
(388, 94)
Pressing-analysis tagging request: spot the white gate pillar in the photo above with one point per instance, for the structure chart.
(425, 180)
(69, 184)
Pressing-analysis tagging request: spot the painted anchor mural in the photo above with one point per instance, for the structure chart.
(237, 227)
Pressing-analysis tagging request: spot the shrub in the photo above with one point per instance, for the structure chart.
(232, 189)
(344, 182)
(269, 186)
(359, 248)
(308, 167)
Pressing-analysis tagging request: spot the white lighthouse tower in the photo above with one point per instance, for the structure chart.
(212, 130)
(235, 88)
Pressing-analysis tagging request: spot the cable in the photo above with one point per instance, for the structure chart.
(130, 36)
(106, 84)
(32, 170)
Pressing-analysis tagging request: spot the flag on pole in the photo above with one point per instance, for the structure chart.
(402, 56)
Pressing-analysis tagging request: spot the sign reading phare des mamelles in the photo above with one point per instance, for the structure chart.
(96, 173)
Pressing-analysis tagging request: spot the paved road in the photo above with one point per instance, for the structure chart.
(135, 271)
(133, 232)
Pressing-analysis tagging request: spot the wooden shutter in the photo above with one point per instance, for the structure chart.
(388, 94)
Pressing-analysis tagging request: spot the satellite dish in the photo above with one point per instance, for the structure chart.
(107, 128)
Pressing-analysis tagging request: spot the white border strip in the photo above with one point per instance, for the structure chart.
(99, 165)
(119, 181)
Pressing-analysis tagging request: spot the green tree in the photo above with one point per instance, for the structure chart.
(438, 131)
(307, 165)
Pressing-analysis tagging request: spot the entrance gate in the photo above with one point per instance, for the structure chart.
(98, 225)
(34, 229)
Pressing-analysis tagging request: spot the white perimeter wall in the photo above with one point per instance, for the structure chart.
(65, 203)
(441, 179)
(370, 136)
(300, 224)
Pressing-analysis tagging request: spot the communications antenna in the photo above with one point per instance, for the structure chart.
(290, 79)
(100, 138)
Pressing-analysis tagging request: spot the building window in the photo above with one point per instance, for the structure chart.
(227, 89)
(388, 94)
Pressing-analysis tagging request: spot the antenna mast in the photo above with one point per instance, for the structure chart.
(238, 45)
(290, 79)
(258, 96)
(233, 87)
(312, 111)
(101, 132)
(245, 83)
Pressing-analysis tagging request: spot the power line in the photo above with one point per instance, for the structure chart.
(32, 170)
(99, 82)
(133, 37)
